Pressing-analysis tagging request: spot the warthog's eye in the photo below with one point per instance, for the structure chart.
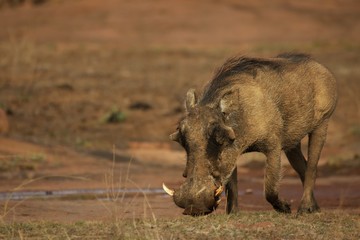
(214, 135)
(215, 141)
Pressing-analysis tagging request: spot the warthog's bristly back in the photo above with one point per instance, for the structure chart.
(247, 65)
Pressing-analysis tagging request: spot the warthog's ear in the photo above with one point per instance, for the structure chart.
(190, 99)
(223, 134)
(175, 136)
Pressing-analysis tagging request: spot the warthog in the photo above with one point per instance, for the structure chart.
(254, 104)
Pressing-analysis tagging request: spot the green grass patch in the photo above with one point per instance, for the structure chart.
(114, 116)
(246, 225)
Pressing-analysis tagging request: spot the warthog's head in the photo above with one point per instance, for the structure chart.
(209, 145)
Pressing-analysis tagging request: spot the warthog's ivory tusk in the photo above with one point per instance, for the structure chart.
(168, 190)
(219, 191)
(218, 201)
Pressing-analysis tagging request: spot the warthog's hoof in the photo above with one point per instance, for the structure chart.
(282, 207)
(304, 208)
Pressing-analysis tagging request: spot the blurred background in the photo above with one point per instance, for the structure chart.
(82, 81)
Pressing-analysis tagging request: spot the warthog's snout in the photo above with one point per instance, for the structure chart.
(196, 201)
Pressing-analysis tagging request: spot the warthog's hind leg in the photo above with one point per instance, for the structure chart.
(232, 193)
(316, 142)
(297, 161)
(272, 179)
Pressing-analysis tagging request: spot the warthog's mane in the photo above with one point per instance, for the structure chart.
(247, 65)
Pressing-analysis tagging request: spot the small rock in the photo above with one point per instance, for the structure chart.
(140, 106)
(249, 191)
(65, 87)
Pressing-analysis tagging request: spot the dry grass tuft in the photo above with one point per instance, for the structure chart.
(246, 225)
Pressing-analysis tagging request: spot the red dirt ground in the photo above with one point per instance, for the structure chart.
(65, 65)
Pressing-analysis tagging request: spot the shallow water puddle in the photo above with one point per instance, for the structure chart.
(21, 195)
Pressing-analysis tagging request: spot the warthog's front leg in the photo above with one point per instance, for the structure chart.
(316, 142)
(232, 193)
(272, 179)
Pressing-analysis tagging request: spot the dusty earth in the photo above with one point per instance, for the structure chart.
(91, 89)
